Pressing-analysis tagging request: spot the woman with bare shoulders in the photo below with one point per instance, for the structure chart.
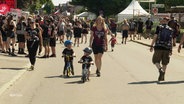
(98, 42)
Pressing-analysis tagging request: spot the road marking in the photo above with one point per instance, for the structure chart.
(15, 78)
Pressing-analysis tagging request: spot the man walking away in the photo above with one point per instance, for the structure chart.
(162, 42)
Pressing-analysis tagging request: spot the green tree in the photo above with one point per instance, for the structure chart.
(109, 7)
(169, 3)
(33, 5)
(49, 7)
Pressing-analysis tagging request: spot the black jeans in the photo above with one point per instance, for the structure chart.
(32, 47)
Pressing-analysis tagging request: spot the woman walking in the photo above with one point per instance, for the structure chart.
(34, 40)
(77, 30)
(98, 42)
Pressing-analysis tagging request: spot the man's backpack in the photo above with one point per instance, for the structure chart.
(164, 38)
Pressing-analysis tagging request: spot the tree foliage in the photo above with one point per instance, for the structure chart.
(113, 7)
(109, 7)
(49, 7)
(33, 5)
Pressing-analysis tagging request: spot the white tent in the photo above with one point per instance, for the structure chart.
(134, 9)
(89, 15)
(83, 14)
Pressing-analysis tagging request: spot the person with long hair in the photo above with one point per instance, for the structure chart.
(10, 28)
(84, 31)
(20, 31)
(61, 30)
(98, 42)
(77, 30)
(34, 40)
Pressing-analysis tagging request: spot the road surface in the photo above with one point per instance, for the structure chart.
(128, 77)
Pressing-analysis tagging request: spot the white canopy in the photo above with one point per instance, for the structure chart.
(83, 14)
(89, 15)
(134, 9)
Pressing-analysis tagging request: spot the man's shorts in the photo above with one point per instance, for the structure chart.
(69, 35)
(125, 33)
(98, 49)
(52, 42)
(60, 33)
(161, 56)
(21, 38)
(46, 42)
(148, 31)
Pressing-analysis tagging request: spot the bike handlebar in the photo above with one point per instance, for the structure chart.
(68, 56)
(85, 63)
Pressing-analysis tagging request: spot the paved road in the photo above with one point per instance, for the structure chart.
(128, 77)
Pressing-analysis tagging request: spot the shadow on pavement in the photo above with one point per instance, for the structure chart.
(18, 56)
(153, 82)
(171, 82)
(75, 82)
(60, 76)
(12, 69)
(143, 82)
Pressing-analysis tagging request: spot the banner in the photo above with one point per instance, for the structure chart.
(10, 3)
(4, 9)
(146, 0)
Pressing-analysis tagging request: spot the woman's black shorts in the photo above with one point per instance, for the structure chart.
(98, 49)
(52, 42)
(21, 38)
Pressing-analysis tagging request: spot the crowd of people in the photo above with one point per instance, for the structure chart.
(45, 31)
(39, 32)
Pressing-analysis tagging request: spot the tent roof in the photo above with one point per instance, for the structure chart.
(83, 14)
(134, 8)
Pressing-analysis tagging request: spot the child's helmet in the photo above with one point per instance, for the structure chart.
(88, 50)
(67, 42)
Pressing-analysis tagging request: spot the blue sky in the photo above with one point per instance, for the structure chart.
(57, 2)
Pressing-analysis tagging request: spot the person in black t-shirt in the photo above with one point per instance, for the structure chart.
(20, 30)
(77, 30)
(87, 59)
(84, 31)
(140, 26)
(46, 38)
(68, 54)
(52, 37)
(3, 35)
(149, 25)
(34, 40)
(162, 42)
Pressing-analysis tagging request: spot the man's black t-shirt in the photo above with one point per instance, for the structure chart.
(45, 31)
(51, 30)
(68, 52)
(149, 24)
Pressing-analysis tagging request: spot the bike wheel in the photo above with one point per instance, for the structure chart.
(68, 72)
(83, 79)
